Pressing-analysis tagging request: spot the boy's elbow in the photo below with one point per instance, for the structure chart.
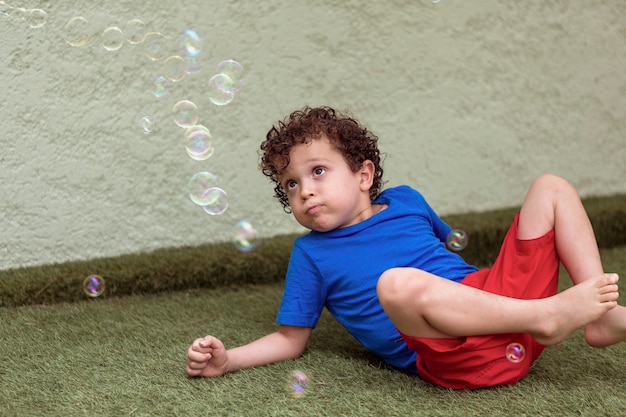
(297, 339)
(299, 349)
(296, 353)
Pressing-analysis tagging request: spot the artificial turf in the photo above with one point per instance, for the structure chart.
(220, 264)
(123, 354)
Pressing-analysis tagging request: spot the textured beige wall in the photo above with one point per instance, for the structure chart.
(470, 99)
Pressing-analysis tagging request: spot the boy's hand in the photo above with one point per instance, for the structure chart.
(206, 357)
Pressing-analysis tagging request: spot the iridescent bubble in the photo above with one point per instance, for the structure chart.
(93, 286)
(198, 142)
(161, 86)
(234, 71)
(219, 202)
(112, 38)
(515, 352)
(77, 32)
(175, 68)
(135, 31)
(153, 46)
(456, 240)
(298, 382)
(36, 18)
(192, 66)
(190, 43)
(18, 13)
(200, 187)
(245, 237)
(5, 9)
(147, 124)
(217, 95)
(185, 114)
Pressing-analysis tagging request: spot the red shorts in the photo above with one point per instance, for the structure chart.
(526, 269)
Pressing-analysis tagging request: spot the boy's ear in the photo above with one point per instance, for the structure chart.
(367, 175)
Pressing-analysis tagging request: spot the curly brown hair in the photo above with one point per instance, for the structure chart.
(356, 143)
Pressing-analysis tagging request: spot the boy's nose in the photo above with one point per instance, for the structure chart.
(306, 190)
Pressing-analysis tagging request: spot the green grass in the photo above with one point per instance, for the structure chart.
(124, 356)
(220, 264)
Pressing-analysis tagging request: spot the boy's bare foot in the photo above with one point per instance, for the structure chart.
(578, 306)
(608, 329)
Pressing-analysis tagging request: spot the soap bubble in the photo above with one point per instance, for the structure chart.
(175, 68)
(112, 38)
(198, 142)
(217, 95)
(456, 240)
(515, 352)
(185, 113)
(219, 201)
(245, 237)
(18, 13)
(93, 286)
(135, 32)
(190, 43)
(200, 187)
(233, 70)
(152, 46)
(298, 382)
(77, 32)
(147, 124)
(192, 66)
(161, 86)
(36, 18)
(5, 9)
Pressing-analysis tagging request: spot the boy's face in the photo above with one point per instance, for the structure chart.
(323, 192)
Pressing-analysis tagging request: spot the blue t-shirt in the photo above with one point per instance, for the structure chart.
(339, 270)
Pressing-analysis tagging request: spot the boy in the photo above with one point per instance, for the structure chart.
(378, 262)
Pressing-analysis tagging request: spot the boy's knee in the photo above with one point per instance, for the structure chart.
(387, 285)
(552, 182)
(393, 284)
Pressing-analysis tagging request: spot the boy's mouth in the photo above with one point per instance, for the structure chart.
(314, 209)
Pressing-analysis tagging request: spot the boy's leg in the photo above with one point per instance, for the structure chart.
(552, 202)
(423, 305)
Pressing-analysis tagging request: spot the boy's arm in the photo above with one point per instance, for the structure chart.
(208, 357)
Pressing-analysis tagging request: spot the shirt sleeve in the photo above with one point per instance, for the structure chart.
(304, 293)
(440, 228)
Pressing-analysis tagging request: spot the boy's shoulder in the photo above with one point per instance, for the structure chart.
(400, 192)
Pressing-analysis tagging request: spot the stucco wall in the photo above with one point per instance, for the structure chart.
(471, 100)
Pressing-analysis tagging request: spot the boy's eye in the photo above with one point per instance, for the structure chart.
(319, 171)
(290, 185)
